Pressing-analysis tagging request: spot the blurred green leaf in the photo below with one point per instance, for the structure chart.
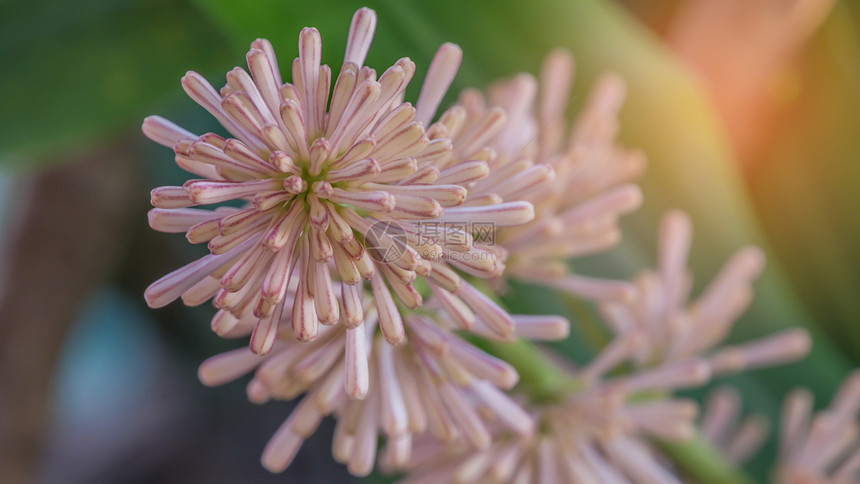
(77, 71)
(806, 187)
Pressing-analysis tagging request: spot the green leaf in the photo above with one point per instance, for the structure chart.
(806, 186)
(78, 71)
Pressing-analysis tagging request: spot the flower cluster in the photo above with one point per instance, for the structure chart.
(674, 330)
(343, 205)
(438, 383)
(321, 183)
(738, 439)
(579, 183)
(821, 448)
(359, 242)
(598, 434)
(601, 431)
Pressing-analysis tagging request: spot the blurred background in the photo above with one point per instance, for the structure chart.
(748, 111)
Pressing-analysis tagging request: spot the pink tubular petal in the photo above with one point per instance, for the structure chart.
(241, 153)
(282, 448)
(266, 47)
(206, 192)
(242, 271)
(343, 89)
(596, 289)
(285, 231)
(353, 313)
(619, 200)
(203, 232)
(440, 74)
(465, 172)
(278, 278)
(542, 328)
(555, 77)
(203, 170)
(621, 349)
(226, 367)
(304, 315)
(241, 109)
(474, 430)
(395, 420)
(168, 288)
(776, 349)
(491, 313)
(201, 292)
(222, 243)
(360, 36)
(264, 76)
(744, 266)
(722, 409)
(165, 132)
(171, 197)
(504, 407)
(310, 52)
(502, 215)
(355, 361)
(263, 337)
(675, 236)
(389, 317)
(671, 376)
(325, 300)
(356, 115)
(483, 365)
(457, 310)
(179, 220)
(366, 434)
(382, 202)
(223, 322)
(240, 81)
(205, 95)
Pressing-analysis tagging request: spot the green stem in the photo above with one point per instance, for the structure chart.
(703, 462)
(539, 379)
(544, 382)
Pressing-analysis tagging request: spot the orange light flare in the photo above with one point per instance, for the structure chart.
(745, 53)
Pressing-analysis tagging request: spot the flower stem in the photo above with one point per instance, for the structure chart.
(540, 380)
(703, 462)
(544, 382)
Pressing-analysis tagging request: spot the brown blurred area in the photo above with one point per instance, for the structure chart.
(49, 270)
(76, 239)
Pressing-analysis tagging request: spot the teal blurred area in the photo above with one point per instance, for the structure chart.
(125, 405)
(128, 408)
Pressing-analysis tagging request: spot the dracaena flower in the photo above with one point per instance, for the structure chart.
(437, 383)
(821, 448)
(579, 183)
(674, 329)
(599, 433)
(324, 183)
(737, 438)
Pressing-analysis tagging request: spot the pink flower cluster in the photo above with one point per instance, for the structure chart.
(362, 244)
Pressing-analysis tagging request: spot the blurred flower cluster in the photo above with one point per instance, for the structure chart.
(363, 244)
